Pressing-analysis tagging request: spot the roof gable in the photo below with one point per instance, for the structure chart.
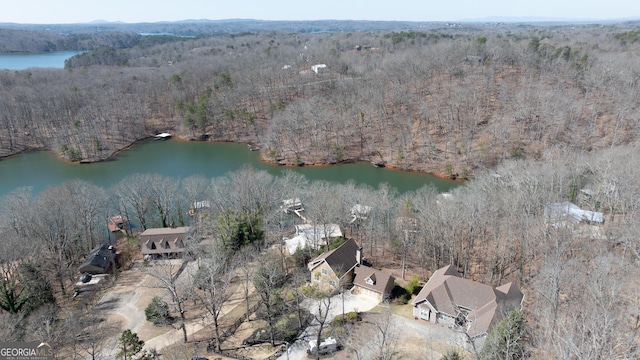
(163, 240)
(99, 259)
(448, 293)
(341, 259)
(372, 279)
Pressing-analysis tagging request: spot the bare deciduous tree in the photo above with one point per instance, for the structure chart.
(268, 280)
(168, 277)
(211, 284)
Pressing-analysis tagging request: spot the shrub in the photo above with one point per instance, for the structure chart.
(350, 317)
(413, 286)
(399, 295)
(157, 312)
(337, 243)
(452, 355)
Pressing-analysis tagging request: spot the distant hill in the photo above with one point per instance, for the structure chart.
(540, 19)
(204, 27)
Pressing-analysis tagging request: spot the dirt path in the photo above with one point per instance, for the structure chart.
(124, 303)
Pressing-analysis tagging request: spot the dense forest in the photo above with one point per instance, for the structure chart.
(533, 115)
(450, 100)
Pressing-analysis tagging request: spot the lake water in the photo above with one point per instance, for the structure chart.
(24, 61)
(181, 159)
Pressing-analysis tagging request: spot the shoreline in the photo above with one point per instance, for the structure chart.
(115, 154)
(392, 168)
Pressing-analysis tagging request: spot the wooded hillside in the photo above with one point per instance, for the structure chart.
(441, 99)
(540, 116)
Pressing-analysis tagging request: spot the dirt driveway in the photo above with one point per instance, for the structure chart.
(123, 306)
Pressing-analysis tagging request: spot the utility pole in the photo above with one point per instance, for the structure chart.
(404, 250)
(342, 295)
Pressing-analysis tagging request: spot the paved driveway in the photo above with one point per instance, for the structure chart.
(414, 337)
(359, 303)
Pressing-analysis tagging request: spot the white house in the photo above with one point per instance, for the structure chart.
(319, 68)
(566, 212)
(313, 236)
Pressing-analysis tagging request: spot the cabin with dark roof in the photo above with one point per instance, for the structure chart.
(334, 269)
(99, 261)
(344, 267)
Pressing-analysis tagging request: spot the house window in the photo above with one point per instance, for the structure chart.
(153, 246)
(317, 276)
(324, 272)
(180, 244)
(424, 313)
(332, 283)
(165, 245)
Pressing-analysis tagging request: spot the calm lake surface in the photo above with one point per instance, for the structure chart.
(43, 60)
(181, 159)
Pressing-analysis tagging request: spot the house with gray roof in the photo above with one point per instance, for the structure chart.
(449, 299)
(99, 261)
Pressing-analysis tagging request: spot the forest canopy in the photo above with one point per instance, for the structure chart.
(449, 100)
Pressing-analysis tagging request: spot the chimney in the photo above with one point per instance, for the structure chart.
(359, 255)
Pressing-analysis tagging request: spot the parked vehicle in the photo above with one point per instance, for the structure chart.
(327, 346)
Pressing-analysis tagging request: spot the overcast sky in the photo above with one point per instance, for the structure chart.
(132, 11)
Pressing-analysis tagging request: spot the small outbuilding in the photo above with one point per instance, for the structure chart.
(319, 68)
(117, 222)
(474, 60)
(292, 205)
(199, 207)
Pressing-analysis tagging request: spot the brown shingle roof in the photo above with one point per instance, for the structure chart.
(447, 292)
(380, 278)
(163, 240)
